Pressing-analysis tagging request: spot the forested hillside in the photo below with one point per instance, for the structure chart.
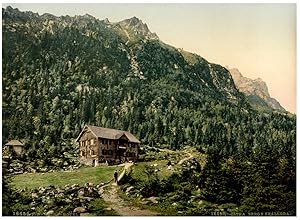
(60, 73)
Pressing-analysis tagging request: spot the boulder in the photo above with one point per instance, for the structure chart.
(31, 170)
(107, 209)
(130, 188)
(153, 199)
(44, 169)
(34, 195)
(91, 192)
(41, 190)
(74, 186)
(68, 200)
(84, 214)
(81, 192)
(88, 198)
(79, 210)
(50, 212)
(145, 202)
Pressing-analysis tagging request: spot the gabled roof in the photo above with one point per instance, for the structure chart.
(14, 143)
(109, 133)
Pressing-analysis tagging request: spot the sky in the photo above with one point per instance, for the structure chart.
(258, 39)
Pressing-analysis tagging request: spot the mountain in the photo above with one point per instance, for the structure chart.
(256, 91)
(60, 73)
(137, 28)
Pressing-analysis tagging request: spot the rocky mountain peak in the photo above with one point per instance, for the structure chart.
(255, 89)
(138, 27)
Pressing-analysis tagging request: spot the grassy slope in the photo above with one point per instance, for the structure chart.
(81, 176)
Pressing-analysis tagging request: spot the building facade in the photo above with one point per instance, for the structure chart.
(105, 146)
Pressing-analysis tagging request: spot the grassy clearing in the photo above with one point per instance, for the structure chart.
(161, 166)
(81, 176)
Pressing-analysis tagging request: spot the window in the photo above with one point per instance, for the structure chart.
(104, 152)
(109, 142)
(104, 141)
(83, 153)
(110, 152)
(127, 154)
(92, 152)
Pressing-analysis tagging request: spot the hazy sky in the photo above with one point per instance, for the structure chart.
(258, 39)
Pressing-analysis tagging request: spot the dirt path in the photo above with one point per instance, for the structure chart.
(110, 195)
(185, 159)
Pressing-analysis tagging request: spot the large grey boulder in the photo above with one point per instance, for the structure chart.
(50, 212)
(79, 210)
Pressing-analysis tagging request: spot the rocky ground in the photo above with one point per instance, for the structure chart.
(66, 162)
(122, 207)
(69, 200)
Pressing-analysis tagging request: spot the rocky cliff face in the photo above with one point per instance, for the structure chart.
(137, 27)
(256, 90)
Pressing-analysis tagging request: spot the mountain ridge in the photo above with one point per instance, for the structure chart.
(160, 93)
(256, 90)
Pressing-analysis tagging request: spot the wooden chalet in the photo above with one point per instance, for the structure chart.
(103, 146)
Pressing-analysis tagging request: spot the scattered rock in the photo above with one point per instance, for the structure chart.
(79, 210)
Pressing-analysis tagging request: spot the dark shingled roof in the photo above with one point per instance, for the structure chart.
(109, 133)
(14, 143)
